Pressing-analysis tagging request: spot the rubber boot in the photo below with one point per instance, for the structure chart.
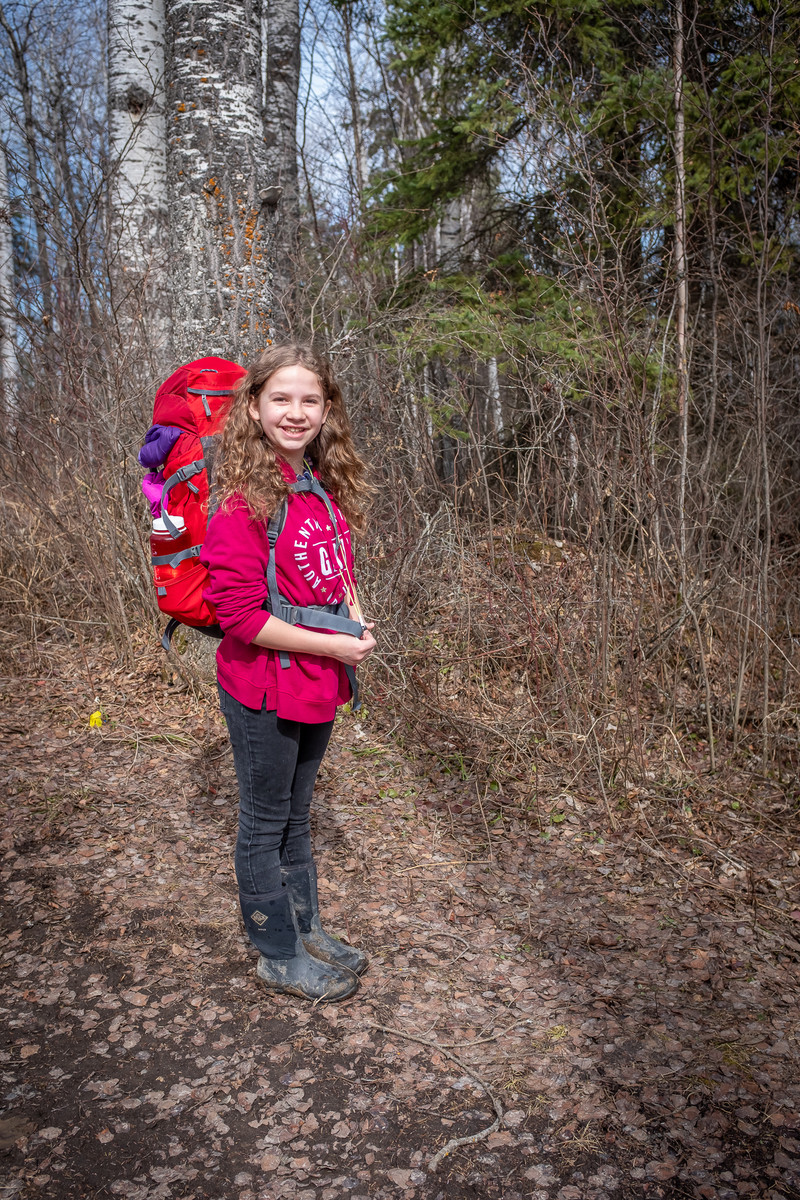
(302, 881)
(285, 965)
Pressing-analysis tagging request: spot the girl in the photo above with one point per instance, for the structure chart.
(280, 683)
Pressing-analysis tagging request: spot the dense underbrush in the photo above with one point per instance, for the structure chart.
(506, 657)
(536, 667)
(526, 690)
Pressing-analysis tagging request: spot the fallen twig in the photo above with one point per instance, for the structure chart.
(458, 938)
(450, 862)
(454, 1143)
(455, 936)
(491, 1038)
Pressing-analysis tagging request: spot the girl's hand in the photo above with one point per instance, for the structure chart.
(352, 651)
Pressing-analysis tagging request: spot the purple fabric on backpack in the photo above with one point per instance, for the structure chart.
(158, 441)
(152, 486)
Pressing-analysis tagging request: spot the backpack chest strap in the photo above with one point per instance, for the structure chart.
(332, 618)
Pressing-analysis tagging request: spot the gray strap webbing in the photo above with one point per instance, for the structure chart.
(213, 631)
(332, 618)
(210, 444)
(182, 475)
(274, 528)
(350, 672)
(321, 616)
(173, 560)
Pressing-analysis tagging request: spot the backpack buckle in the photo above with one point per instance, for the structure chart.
(185, 473)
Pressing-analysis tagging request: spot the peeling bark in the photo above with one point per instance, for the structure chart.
(222, 198)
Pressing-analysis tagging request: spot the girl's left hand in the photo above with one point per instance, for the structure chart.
(351, 650)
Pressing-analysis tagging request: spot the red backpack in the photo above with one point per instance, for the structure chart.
(179, 450)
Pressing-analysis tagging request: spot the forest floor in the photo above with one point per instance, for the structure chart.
(628, 1000)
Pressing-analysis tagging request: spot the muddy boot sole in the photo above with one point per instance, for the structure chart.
(301, 977)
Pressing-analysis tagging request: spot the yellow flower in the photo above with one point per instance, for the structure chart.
(96, 719)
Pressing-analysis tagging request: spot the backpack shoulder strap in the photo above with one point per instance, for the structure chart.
(274, 530)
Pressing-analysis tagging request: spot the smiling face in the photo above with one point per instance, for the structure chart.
(291, 409)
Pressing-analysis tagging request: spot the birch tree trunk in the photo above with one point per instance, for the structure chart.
(222, 201)
(495, 400)
(8, 347)
(681, 330)
(18, 43)
(360, 166)
(449, 237)
(281, 34)
(137, 129)
(681, 279)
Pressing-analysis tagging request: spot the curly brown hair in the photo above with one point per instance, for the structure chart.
(248, 464)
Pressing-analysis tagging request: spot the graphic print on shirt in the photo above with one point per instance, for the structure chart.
(316, 559)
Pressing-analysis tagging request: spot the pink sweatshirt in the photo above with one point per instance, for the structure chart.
(236, 551)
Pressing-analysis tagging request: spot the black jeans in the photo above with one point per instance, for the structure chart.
(276, 765)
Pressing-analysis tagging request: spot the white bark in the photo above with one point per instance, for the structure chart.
(451, 242)
(359, 152)
(19, 45)
(495, 402)
(222, 199)
(281, 57)
(281, 25)
(9, 369)
(138, 154)
(573, 473)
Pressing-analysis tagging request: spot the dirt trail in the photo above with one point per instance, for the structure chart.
(637, 1028)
